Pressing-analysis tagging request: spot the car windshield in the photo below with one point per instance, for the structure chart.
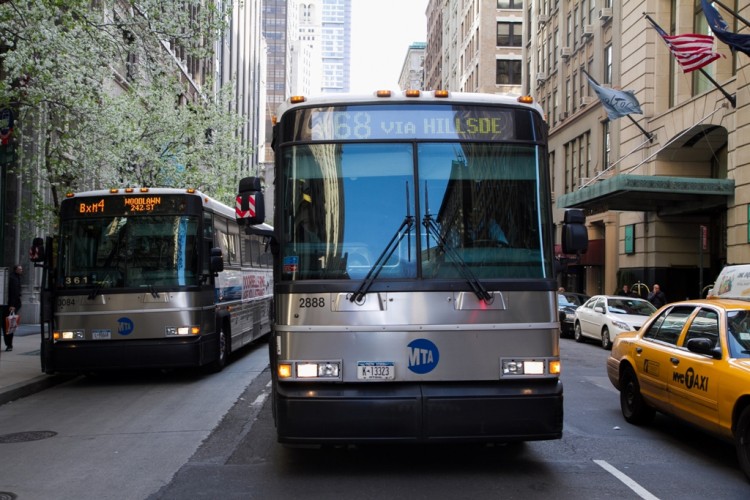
(570, 300)
(738, 329)
(630, 306)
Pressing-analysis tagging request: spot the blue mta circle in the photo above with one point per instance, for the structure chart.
(423, 356)
(125, 326)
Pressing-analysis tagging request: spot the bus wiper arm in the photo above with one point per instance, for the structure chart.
(471, 279)
(404, 229)
(96, 290)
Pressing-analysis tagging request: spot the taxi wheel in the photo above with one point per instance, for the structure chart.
(635, 410)
(577, 334)
(742, 441)
(606, 343)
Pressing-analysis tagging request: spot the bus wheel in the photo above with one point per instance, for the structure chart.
(222, 351)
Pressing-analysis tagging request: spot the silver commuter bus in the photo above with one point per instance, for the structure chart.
(152, 278)
(414, 272)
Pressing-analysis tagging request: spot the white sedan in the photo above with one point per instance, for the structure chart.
(604, 317)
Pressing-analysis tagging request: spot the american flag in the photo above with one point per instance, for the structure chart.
(692, 51)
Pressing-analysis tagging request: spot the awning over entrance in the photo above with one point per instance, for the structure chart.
(650, 193)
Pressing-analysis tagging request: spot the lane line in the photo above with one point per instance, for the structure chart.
(637, 488)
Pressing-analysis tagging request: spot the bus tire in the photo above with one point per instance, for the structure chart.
(222, 351)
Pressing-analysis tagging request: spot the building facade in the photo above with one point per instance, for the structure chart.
(336, 46)
(412, 71)
(666, 192)
(475, 45)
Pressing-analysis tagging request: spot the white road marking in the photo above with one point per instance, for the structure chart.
(637, 488)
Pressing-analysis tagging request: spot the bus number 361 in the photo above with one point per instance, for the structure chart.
(312, 302)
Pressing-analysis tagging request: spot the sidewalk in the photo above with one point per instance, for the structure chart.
(21, 370)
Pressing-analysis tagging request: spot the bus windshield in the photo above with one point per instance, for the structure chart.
(344, 202)
(129, 251)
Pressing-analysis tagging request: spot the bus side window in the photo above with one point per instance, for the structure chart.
(208, 243)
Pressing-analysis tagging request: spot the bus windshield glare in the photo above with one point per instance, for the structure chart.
(343, 202)
(129, 251)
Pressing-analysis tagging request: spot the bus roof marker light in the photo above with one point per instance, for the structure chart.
(526, 99)
(441, 93)
(113, 190)
(296, 99)
(383, 93)
(412, 93)
(69, 195)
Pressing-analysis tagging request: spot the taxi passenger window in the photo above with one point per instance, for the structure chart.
(705, 325)
(669, 325)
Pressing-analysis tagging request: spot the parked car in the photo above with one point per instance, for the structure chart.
(604, 317)
(567, 303)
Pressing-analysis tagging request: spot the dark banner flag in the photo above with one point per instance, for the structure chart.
(721, 29)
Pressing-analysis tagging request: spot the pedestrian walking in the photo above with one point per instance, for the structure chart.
(657, 297)
(12, 310)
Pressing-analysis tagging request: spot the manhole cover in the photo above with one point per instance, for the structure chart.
(4, 495)
(22, 437)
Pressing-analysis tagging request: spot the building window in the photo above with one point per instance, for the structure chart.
(509, 34)
(508, 72)
(608, 64)
(509, 4)
(630, 239)
(607, 146)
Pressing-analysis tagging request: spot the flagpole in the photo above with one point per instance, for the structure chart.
(737, 16)
(729, 97)
(648, 135)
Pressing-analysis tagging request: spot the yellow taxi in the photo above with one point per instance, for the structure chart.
(691, 360)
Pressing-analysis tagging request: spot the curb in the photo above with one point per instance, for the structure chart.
(37, 384)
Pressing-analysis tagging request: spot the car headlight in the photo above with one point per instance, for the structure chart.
(570, 316)
(621, 325)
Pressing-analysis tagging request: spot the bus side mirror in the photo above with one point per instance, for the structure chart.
(575, 237)
(36, 252)
(217, 261)
(250, 208)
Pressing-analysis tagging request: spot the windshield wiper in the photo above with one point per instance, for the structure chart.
(476, 286)
(404, 229)
(471, 279)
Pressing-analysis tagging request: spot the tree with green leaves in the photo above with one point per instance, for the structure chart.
(110, 93)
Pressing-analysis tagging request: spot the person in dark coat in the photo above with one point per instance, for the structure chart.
(14, 303)
(657, 297)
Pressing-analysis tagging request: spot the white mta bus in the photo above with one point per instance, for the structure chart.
(414, 275)
(151, 278)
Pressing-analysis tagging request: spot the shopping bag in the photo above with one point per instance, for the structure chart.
(11, 322)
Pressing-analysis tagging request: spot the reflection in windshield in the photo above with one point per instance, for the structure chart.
(142, 251)
(738, 326)
(343, 203)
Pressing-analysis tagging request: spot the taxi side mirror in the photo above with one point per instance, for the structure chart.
(702, 345)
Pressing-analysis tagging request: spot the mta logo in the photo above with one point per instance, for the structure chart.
(124, 326)
(423, 356)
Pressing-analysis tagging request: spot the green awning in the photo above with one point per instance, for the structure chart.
(651, 193)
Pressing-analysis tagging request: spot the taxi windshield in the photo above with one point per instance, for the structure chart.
(738, 329)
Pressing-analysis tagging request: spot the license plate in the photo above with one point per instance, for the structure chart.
(101, 334)
(376, 370)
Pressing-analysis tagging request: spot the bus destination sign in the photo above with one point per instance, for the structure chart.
(402, 122)
(124, 205)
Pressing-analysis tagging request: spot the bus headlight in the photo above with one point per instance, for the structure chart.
(320, 369)
(512, 367)
(309, 370)
(175, 331)
(69, 335)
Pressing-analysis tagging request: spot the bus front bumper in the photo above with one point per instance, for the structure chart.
(413, 412)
